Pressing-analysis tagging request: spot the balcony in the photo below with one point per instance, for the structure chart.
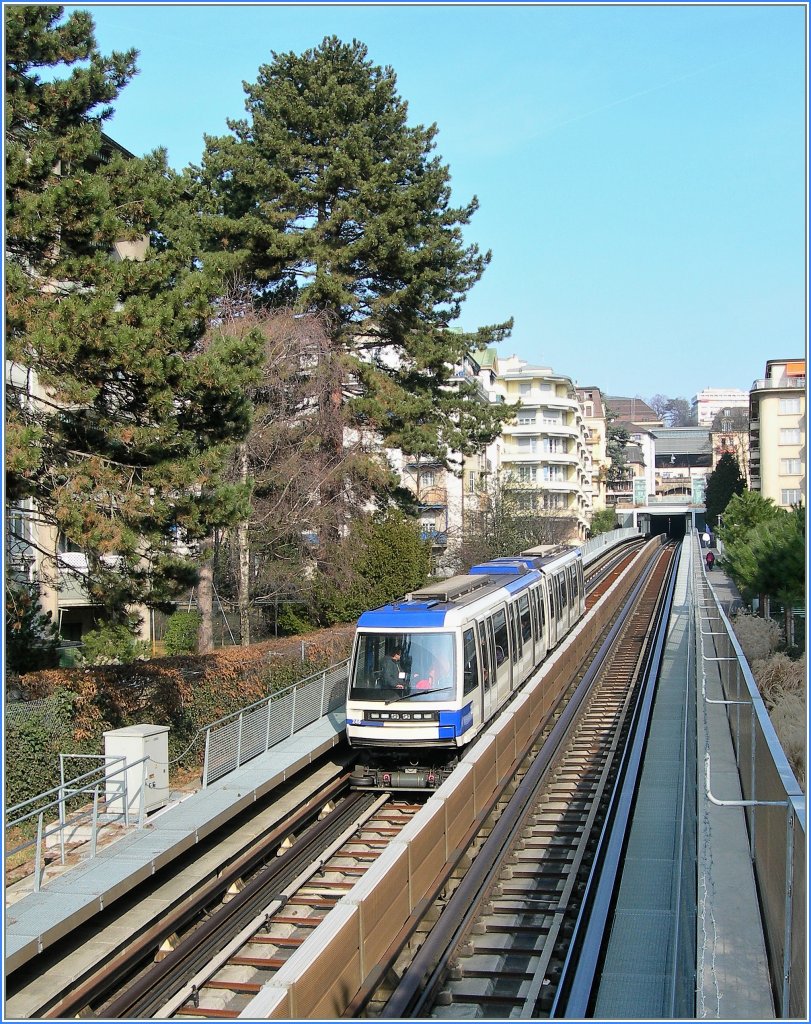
(433, 497)
(782, 383)
(438, 538)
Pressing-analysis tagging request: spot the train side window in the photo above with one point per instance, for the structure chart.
(541, 595)
(471, 662)
(526, 620)
(562, 585)
(501, 636)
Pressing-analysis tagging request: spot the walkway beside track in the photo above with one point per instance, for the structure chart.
(63, 903)
(649, 963)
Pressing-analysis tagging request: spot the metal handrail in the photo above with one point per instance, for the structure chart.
(784, 931)
(56, 803)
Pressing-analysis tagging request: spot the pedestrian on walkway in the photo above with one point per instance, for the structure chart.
(710, 560)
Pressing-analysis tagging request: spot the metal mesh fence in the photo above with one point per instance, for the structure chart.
(244, 735)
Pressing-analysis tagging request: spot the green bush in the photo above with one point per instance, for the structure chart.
(180, 636)
(113, 643)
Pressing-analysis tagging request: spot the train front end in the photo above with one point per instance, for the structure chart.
(405, 713)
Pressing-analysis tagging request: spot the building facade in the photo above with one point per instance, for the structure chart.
(546, 463)
(591, 404)
(710, 401)
(777, 433)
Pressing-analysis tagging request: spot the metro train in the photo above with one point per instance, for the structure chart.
(429, 672)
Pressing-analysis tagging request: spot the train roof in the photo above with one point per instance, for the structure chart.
(447, 602)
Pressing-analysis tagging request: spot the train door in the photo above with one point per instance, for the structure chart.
(524, 622)
(581, 591)
(554, 610)
(472, 678)
(515, 644)
(545, 616)
(538, 604)
(486, 667)
(564, 603)
(501, 654)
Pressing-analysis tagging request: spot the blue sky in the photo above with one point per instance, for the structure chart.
(641, 169)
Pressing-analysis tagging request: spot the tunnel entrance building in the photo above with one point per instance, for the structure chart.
(674, 519)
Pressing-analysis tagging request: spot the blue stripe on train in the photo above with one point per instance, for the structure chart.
(455, 723)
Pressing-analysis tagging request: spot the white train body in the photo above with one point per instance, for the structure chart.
(465, 646)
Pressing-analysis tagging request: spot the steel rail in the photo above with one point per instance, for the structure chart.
(108, 976)
(152, 988)
(575, 990)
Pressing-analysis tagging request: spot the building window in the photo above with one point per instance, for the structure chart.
(555, 445)
(527, 474)
(552, 416)
(588, 409)
(791, 467)
(790, 435)
(525, 502)
(789, 405)
(527, 445)
(555, 474)
(471, 481)
(524, 387)
(526, 419)
(427, 478)
(791, 496)
(65, 546)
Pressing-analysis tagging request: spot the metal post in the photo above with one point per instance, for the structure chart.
(239, 742)
(293, 711)
(62, 813)
(269, 707)
(786, 994)
(126, 794)
(94, 830)
(205, 759)
(323, 693)
(38, 860)
(142, 807)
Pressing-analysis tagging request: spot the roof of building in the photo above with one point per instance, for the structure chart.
(682, 441)
(633, 410)
(593, 395)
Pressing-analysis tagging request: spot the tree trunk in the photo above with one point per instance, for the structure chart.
(244, 561)
(205, 601)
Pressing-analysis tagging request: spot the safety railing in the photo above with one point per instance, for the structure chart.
(591, 548)
(233, 740)
(82, 801)
(772, 800)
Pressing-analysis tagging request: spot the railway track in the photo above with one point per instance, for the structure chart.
(504, 938)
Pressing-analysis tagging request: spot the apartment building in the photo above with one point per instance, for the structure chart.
(777, 433)
(591, 403)
(545, 461)
(710, 401)
(447, 499)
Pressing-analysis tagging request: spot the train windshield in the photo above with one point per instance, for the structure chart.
(393, 666)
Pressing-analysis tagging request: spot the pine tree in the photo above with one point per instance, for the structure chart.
(724, 482)
(333, 203)
(118, 418)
